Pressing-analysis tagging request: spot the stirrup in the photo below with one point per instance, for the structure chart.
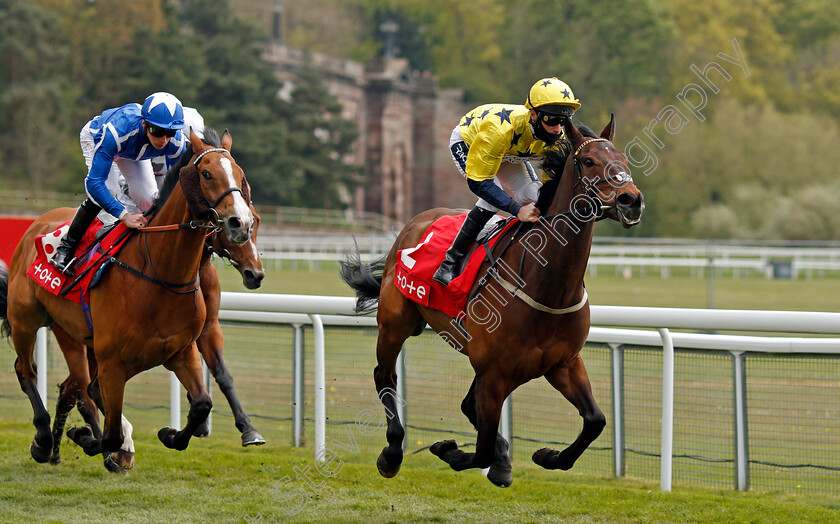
(67, 270)
(444, 275)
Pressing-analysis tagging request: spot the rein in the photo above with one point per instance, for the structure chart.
(515, 290)
(192, 224)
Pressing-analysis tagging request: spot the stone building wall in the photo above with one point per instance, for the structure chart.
(404, 122)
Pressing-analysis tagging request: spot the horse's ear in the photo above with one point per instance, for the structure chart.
(609, 131)
(571, 131)
(227, 140)
(196, 142)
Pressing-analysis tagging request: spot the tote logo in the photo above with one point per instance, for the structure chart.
(47, 276)
(418, 289)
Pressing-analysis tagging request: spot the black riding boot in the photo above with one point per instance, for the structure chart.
(63, 258)
(466, 236)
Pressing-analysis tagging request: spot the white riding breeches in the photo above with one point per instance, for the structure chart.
(131, 182)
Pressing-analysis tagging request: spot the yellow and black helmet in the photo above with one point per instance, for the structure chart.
(552, 96)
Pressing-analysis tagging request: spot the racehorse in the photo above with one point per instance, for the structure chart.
(146, 312)
(545, 319)
(73, 391)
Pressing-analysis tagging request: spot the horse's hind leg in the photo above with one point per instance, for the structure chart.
(68, 394)
(24, 342)
(396, 324)
(210, 343)
(500, 472)
(73, 391)
(489, 396)
(573, 382)
(187, 367)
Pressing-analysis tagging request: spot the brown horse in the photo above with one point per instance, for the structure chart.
(147, 311)
(73, 391)
(539, 325)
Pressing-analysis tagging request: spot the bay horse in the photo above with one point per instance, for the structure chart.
(545, 319)
(73, 391)
(146, 312)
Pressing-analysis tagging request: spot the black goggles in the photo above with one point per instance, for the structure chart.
(158, 132)
(551, 120)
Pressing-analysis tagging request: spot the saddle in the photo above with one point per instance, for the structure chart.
(92, 254)
(416, 265)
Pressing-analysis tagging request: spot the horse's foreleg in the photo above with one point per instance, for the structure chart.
(489, 397)
(500, 472)
(210, 344)
(110, 378)
(118, 461)
(573, 382)
(187, 367)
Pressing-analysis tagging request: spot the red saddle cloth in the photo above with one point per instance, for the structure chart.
(416, 265)
(49, 278)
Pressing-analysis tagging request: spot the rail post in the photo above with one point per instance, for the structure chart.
(667, 410)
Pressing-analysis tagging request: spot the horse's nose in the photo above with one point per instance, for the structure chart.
(252, 278)
(630, 205)
(237, 230)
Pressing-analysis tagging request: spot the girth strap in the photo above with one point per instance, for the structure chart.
(536, 305)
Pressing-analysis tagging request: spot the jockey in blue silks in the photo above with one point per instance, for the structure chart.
(118, 146)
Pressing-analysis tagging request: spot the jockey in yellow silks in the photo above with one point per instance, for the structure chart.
(496, 148)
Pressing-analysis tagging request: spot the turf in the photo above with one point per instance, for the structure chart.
(215, 481)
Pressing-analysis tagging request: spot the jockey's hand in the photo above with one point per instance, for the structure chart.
(135, 221)
(528, 213)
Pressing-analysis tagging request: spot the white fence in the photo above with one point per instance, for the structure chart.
(317, 312)
(339, 311)
(661, 256)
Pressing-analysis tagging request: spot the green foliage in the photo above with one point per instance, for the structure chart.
(123, 51)
(33, 111)
(752, 167)
(66, 60)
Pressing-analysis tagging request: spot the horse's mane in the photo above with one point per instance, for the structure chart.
(554, 161)
(211, 138)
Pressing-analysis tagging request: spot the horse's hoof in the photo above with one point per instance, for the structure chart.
(123, 458)
(202, 431)
(113, 466)
(385, 469)
(547, 458)
(55, 459)
(442, 446)
(252, 438)
(75, 434)
(166, 436)
(40, 453)
(500, 476)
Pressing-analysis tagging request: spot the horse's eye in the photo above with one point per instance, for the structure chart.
(206, 174)
(588, 162)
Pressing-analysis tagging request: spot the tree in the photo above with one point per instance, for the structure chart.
(33, 108)
(291, 151)
(321, 174)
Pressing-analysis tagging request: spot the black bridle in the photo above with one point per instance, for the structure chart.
(589, 184)
(212, 205)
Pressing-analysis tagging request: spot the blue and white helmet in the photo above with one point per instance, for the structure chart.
(164, 110)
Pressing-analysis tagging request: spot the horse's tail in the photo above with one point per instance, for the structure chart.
(365, 279)
(5, 327)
